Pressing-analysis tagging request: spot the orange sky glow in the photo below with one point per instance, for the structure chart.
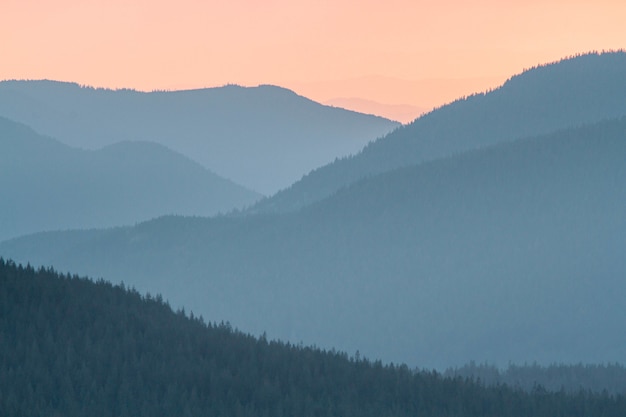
(421, 53)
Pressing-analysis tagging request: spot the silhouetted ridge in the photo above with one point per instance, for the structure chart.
(264, 138)
(45, 185)
(584, 89)
(72, 347)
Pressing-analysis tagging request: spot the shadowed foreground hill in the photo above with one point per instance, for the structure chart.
(45, 185)
(72, 347)
(508, 253)
(572, 92)
(264, 138)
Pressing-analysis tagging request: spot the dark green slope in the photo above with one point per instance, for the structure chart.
(45, 185)
(609, 377)
(509, 253)
(572, 92)
(72, 347)
(264, 138)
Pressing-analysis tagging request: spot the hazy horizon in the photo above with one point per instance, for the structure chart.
(422, 54)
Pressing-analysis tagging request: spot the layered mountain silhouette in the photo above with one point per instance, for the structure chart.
(264, 138)
(45, 185)
(404, 113)
(512, 252)
(572, 92)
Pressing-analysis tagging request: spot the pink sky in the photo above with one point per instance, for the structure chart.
(420, 52)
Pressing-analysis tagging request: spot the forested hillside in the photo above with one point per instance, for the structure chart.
(569, 93)
(45, 185)
(72, 347)
(610, 378)
(511, 253)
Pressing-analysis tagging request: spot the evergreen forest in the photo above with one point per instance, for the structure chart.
(70, 346)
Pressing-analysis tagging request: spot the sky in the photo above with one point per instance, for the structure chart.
(418, 53)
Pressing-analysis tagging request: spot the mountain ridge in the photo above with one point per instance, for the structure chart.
(583, 89)
(263, 137)
(46, 185)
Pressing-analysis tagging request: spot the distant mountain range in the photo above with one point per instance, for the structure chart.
(414, 91)
(45, 185)
(572, 92)
(404, 113)
(508, 253)
(264, 138)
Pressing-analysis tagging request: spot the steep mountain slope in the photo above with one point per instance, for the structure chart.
(508, 253)
(72, 347)
(45, 185)
(572, 92)
(264, 138)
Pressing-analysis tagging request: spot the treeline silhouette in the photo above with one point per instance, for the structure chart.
(610, 377)
(73, 347)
